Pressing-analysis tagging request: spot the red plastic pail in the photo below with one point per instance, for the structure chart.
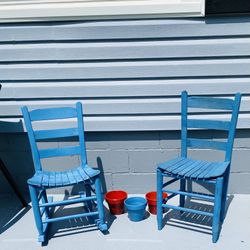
(115, 200)
(151, 198)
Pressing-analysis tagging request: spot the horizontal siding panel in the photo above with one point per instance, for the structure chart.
(118, 70)
(129, 88)
(125, 50)
(111, 107)
(129, 29)
(128, 74)
(124, 123)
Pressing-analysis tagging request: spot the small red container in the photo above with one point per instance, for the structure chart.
(151, 198)
(115, 200)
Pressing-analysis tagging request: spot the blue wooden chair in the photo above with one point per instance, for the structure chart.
(184, 168)
(43, 180)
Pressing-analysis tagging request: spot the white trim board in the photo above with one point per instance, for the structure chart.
(42, 10)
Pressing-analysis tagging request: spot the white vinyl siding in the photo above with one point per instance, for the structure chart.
(42, 10)
(127, 73)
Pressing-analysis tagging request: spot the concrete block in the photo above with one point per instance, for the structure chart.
(47, 144)
(60, 163)
(135, 183)
(97, 140)
(169, 154)
(134, 140)
(240, 160)
(239, 183)
(242, 138)
(68, 143)
(111, 161)
(145, 161)
(107, 182)
(170, 139)
(206, 154)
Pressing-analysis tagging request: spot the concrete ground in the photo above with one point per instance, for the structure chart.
(187, 232)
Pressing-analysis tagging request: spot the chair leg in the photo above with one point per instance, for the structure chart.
(182, 188)
(217, 209)
(99, 197)
(224, 196)
(159, 199)
(37, 213)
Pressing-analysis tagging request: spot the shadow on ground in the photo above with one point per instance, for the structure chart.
(11, 212)
(191, 221)
(77, 225)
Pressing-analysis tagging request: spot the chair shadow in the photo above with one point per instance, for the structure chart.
(76, 225)
(191, 221)
(11, 212)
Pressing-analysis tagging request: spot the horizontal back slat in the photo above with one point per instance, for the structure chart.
(208, 124)
(206, 144)
(55, 152)
(55, 133)
(210, 103)
(52, 114)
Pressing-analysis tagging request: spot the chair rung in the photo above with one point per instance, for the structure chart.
(189, 210)
(67, 202)
(197, 195)
(68, 217)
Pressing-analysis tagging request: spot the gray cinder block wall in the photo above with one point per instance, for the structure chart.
(128, 159)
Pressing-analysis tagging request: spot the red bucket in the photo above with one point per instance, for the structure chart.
(151, 198)
(115, 200)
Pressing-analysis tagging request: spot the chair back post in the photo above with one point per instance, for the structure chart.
(34, 149)
(233, 124)
(184, 101)
(81, 133)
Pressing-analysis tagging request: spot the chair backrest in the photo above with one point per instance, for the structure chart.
(39, 135)
(228, 105)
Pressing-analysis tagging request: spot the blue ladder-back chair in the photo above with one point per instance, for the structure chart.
(42, 180)
(184, 168)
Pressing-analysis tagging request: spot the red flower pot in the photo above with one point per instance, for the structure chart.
(151, 198)
(115, 200)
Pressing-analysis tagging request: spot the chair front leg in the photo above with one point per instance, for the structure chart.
(217, 209)
(159, 198)
(99, 197)
(224, 195)
(37, 213)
